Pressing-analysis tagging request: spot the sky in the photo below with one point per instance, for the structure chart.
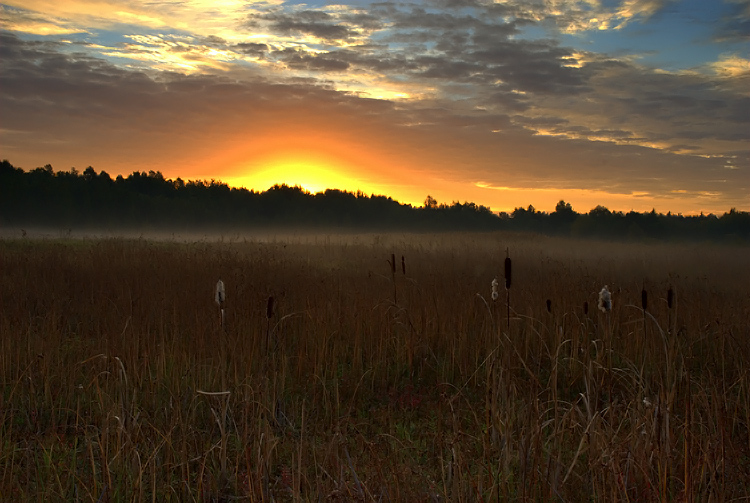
(628, 104)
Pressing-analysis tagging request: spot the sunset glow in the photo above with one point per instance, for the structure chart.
(630, 105)
(314, 173)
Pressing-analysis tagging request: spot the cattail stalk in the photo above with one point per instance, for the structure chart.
(670, 298)
(392, 263)
(507, 283)
(670, 306)
(269, 315)
(644, 307)
(605, 306)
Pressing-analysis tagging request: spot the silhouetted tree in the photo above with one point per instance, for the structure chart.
(69, 198)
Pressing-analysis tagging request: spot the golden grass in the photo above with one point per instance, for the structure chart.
(339, 378)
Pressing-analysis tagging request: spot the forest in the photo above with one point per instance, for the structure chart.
(43, 197)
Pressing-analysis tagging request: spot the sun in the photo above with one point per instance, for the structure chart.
(314, 172)
(317, 162)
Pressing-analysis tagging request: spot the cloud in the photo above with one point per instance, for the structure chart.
(735, 26)
(444, 93)
(632, 9)
(252, 49)
(319, 62)
(317, 24)
(34, 23)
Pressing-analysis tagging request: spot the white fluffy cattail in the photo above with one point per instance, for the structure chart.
(220, 297)
(221, 294)
(494, 289)
(605, 300)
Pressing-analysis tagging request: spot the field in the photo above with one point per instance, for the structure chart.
(341, 373)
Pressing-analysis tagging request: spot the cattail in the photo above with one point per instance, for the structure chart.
(585, 307)
(507, 285)
(220, 297)
(403, 265)
(507, 270)
(392, 263)
(495, 295)
(644, 299)
(549, 306)
(269, 307)
(605, 300)
(221, 294)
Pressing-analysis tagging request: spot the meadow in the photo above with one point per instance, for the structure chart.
(342, 372)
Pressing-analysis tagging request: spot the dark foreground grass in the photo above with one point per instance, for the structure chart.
(368, 384)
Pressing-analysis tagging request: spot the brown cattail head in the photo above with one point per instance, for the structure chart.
(549, 306)
(507, 272)
(644, 299)
(269, 307)
(585, 307)
(670, 298)
(403, 265)
(393, 263)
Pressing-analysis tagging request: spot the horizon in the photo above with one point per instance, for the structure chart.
(359, 193)
(633, 105)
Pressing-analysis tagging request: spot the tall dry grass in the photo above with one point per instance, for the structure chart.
(338, 377)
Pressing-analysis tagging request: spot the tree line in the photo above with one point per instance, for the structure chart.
(67, 199)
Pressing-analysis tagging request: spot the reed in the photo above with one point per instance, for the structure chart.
(392, 264)
(645, 339)
(508, 271)
(269, 317)
(116, 389)
(670, 307)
